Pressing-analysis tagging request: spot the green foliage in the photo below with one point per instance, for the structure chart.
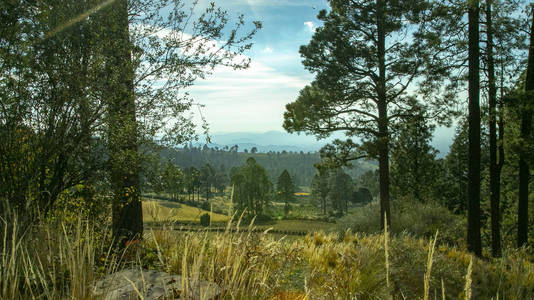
(369, 180)
(362, 196)
(48, 118)
(339, 190)
(414, 170)
(285, 190)
(333, 189)
(411, 217)
(320, 189)
(207, 177)
(300, 166)
(205, 220)
(72, 71)
(252, 188)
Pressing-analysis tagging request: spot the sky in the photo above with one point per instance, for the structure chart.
(253, 100)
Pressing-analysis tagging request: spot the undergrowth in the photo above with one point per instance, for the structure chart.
(58, 261)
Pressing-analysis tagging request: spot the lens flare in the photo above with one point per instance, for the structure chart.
(78, 18)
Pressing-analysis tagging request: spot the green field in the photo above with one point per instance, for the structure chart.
(167, 211)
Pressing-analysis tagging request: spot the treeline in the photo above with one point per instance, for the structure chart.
(300, 165)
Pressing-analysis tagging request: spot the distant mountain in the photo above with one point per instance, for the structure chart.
(278, 141)
(267, 141)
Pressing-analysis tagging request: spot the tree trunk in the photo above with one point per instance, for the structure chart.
(474, 243)
(124, 159)
(383, 137)
(494, 179)
(526, 124)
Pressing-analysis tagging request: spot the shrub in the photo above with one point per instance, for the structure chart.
(411, 217)
(205, 205)
(205, 220)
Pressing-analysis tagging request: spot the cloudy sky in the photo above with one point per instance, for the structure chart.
(254, 100)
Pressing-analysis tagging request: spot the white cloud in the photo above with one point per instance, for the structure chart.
(310, 26)
(253, 99)
(268, 50)
(246, 100)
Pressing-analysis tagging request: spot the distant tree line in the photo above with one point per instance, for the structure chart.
(300, 165)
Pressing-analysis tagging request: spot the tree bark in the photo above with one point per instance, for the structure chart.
(526, 124)
(494, 178)
(383, 136)
(127, 214)
(474, 243)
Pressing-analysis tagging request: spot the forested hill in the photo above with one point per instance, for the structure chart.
(300, 165)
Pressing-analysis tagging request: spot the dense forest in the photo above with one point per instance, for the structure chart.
(100, 181)
(300, 165)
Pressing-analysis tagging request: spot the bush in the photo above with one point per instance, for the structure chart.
(205, 220)
(205, 206)
(413, 218)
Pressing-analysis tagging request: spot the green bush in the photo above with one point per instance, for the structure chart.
(410, 217)
(205, 220)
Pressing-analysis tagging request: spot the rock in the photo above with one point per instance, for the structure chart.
(129, 284)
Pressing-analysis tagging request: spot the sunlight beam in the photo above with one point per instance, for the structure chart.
(78, 18)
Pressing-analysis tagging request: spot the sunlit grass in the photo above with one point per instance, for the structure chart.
(166, 211)
(57, 261)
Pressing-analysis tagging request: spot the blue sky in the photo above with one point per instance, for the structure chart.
(254, 99)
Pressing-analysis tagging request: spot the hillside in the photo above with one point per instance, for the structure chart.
(166, 211)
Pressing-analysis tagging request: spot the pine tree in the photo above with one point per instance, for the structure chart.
(320, 189)
(413, 167)
(474, 242)
(526, 125)
(361, 84)
(285, 189)
(252, 188)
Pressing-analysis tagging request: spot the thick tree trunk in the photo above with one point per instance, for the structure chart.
(474, 243)
(383, 136)
(124, 160)
(526, 125)
(494, 179)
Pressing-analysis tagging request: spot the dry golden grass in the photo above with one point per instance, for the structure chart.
(61, 262)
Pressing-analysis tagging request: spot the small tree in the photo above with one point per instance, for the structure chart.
(173, 180)
(205, 220)
(320, 189)
(340, 190)
(362, 196)
(252, 188)
(207, 178)
(285, 190)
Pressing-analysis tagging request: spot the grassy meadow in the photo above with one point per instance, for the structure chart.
(421, 256)
(167, 211)
(249, 265)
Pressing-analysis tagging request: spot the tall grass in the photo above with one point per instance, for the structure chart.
(48, 262)
(58, 261)
(241, 263)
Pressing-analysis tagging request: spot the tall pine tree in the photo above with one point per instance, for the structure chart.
(365, 57)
